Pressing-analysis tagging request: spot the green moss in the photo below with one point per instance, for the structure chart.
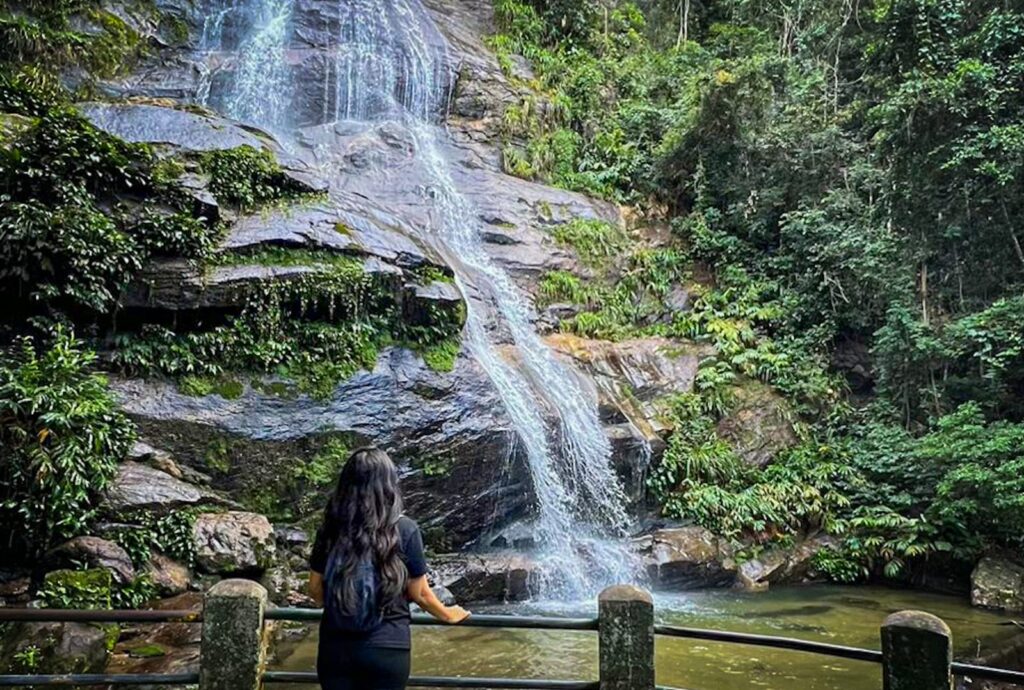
(279, 389)
(77, 589)
(218, 456)
(441, 357)
(174, 29)
(284, 256)
(146, 651)
(342, 229)
(200, 386)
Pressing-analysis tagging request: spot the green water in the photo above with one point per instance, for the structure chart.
(839, 615)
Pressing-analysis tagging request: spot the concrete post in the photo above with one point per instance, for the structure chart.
(626, 638)
(917, 652)
(232, 651)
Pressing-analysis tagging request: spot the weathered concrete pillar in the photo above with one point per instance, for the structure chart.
(626, 638)
(917, 652)
(232, 650)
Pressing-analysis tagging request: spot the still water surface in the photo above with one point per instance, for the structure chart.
(839, 615)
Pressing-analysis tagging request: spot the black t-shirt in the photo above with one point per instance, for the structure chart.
(393, 631)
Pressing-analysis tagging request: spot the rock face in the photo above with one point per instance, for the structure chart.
(998, 583)
(233, 542)
(448, 432)
(94, 552)
(139, 487)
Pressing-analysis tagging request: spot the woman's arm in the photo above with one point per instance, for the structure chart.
(418, 590)
(316, 587)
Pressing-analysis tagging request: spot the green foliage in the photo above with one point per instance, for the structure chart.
(77, 589)
(596, 241)
(142, 533)
(247, 177)
(135, 594)
(67, 243)
(61, 435)
(701, 478)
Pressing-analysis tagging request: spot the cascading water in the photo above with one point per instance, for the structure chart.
(391, 63)
(260, 89)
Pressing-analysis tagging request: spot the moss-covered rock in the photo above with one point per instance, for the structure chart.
(77, 589)
(998, 583)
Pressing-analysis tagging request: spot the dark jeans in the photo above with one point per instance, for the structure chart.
(341, 666)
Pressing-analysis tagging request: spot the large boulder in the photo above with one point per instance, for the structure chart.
(233, 542)
(93, 552)
(998, 583)
(169, 576)
(687, 558)
(56, 647)
(782, 565)
(141, 487)
(497, 577)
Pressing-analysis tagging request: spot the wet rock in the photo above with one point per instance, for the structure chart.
(758, 424)
(687, 558)
(998, 583)
(93, 552)
(169, 576)
(480, 578)
(233, 542)
(59, 647)
(138, 487)
(783, 565)
(158, 459)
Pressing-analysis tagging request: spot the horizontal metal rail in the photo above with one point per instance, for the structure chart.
(834, 650)
(101, 679)
(452, 681)
(474, 621)
(97, 616)
(989, 673)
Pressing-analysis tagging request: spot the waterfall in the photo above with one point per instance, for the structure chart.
(392, 64)
(260, 89)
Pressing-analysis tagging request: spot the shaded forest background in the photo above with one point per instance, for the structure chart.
(843, 180)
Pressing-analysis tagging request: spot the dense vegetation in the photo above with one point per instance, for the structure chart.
(843, 182)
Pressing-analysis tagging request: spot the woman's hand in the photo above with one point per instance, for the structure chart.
(455, 615)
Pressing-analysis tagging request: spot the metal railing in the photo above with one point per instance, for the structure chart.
(913, 643)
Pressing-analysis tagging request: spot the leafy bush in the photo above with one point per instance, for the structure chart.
(77, 589)
(61, 436)
(246, 177)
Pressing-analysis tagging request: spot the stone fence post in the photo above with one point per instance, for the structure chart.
(231, 654)
(917, 652)
(626, 638)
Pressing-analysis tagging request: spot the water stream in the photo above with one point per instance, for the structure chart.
(390, 63)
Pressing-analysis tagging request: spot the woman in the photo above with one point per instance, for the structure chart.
(367, 565)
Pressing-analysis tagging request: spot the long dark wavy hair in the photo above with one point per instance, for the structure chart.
(362, 518)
